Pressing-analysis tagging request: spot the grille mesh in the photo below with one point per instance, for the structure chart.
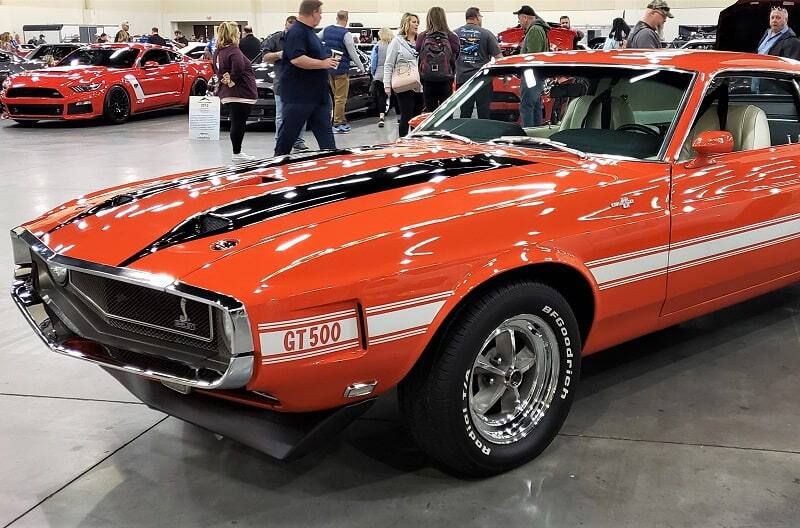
(148, 306)
(50, 93)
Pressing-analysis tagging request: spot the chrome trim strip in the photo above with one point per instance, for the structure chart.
(237, 327)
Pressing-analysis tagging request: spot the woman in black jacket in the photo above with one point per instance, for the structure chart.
(237, 84)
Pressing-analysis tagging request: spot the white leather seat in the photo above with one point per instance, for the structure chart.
(747, 124)
(574, 117)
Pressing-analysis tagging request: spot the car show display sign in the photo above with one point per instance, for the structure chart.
(204, 118)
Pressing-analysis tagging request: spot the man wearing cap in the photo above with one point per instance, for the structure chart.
(535, 41)
(779, 39)
(645, 34)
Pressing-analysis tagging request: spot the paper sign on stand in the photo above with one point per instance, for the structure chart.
(204, 118)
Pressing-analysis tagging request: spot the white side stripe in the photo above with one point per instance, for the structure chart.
(418, 300)
(624, 269)
(403, 319)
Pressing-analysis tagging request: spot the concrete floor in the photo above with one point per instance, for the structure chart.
(698, 425)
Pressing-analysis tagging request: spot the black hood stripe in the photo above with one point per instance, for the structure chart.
(236, 170)
(242, 213)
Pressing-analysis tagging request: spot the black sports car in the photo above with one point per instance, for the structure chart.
(11, 64)
(359, 98)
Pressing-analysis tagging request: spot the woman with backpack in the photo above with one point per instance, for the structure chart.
(401, 73)
(619, 34)
(438, 49)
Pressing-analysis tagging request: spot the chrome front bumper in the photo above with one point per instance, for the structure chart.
(50, 323)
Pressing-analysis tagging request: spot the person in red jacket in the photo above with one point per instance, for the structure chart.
(237, 84)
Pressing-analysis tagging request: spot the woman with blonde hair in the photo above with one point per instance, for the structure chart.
(438, 49)
(237, 84)
(376, 64)
(5, 42)
(402, 68)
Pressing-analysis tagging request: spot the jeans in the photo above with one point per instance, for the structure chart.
(300, 141)
(297, 115)
(530, 105)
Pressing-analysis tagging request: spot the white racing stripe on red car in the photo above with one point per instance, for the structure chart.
(317, 335)
(624, 269)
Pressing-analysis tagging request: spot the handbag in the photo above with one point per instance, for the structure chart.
(405, 77)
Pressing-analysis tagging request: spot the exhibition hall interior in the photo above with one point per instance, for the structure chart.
(342, 263)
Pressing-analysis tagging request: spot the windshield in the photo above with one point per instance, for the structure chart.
(618, 111)
(109, 57)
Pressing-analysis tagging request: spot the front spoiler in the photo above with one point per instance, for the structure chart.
(284, 436)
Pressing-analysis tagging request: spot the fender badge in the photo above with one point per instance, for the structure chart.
(623, 202)
(222, 245)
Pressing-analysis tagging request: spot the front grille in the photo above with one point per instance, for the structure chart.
(265, 93)
(504, 97)
(35, 110)
(50, 93)
(144, 310)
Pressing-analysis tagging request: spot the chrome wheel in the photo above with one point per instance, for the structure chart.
(513, 379)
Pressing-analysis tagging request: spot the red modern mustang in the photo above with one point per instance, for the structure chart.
(111, 81)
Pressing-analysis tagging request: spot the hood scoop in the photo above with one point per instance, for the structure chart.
(287, 200)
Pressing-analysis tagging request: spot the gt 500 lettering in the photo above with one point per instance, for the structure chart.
(312, 336)
(301, 338)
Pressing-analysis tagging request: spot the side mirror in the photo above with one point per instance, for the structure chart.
(150, 64)
(710, 143)
(416, 121)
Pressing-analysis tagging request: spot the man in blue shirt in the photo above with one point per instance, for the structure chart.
(304, 82)
(779, 39)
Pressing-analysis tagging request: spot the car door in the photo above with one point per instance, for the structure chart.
(736, 221)
(359, 95)
(160, 79)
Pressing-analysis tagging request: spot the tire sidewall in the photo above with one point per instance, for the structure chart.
(546, 304)
(106, 106)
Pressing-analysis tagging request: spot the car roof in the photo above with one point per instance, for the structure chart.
(134, 45)
(701, 61)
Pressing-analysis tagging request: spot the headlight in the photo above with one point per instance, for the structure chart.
(59, 274)
(85, 87)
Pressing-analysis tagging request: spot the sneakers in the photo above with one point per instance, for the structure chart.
(242, 157)
(380, 123)
(300, 147)
(342, 129)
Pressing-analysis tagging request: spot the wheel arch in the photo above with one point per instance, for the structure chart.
(569, 278)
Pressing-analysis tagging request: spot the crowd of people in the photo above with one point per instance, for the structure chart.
(417, 70)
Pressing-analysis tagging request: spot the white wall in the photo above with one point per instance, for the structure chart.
(267, 16)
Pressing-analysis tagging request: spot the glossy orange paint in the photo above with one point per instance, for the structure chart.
(354, 290)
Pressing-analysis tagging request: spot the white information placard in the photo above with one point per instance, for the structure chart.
(204, 118)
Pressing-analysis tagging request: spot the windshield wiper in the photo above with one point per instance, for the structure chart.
(441, 133)
(537, 141)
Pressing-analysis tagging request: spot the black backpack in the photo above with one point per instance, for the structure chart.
(436, 58)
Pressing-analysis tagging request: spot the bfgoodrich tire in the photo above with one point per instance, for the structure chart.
(116, 106)
(497, 388)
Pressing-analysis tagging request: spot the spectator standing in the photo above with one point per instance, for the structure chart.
(250, 45)
(5, 42)
(180, 40)
(377, 63)
(155, 38)
(535, 41)
(16, 41)
(438, 49)
(237, 84)
(646, 33)
(618, 36)
(103, 38)
(566, 23)
(273, 54)
(337, 37)
(304, 82)
(123, 35)
(779, 39)
(477, 47)
(401, 59)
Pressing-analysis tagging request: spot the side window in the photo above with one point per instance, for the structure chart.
(174, 57)
(758, 110)
(159, 56)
